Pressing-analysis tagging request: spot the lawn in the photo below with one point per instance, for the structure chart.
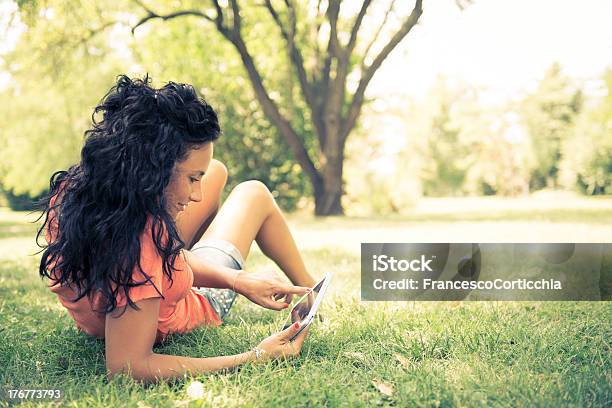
(363, 353)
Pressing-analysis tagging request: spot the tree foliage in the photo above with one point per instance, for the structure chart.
(446, 169)
(587, 155)
(55, 81)
(550, 113)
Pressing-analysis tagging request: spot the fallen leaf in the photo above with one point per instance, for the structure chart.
(354, 355)
(403, 361)
(385, 389)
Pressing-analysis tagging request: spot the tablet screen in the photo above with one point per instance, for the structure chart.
(303, 306)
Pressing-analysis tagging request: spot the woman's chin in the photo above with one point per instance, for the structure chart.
(174, 214)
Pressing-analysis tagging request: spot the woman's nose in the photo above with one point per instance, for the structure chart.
(196, 193)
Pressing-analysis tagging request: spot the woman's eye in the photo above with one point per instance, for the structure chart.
(193, 180)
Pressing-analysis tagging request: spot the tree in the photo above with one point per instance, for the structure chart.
(447, 166)
(587, 158)
(550, 113)
(323, 76)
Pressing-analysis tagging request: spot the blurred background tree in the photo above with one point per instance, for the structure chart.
(587, 154)
(45, 110)
(447, 157)
(550, 113)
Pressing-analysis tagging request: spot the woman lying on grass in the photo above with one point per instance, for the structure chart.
(136, 225)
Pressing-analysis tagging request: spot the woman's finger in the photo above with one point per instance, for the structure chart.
(290, 331)
(271, 304)
(295, 290)
(299, 340)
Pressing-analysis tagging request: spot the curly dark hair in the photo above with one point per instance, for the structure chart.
(126, 163)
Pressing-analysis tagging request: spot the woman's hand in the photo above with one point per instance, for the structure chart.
(280, 344)
(266, 290)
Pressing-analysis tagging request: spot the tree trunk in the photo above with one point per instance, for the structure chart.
(328, 189)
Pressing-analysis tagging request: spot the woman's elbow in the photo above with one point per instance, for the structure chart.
(134, 369)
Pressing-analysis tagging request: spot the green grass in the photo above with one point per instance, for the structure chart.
(429, 353)
(16, 224)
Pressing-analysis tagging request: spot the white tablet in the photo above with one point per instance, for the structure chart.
(306, 307)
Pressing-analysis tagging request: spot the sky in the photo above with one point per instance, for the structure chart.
(502, 45)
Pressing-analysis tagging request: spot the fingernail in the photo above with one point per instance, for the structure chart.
(286, 305)
(296, 325)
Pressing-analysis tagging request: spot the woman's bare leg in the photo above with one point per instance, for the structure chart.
(196, 218)
(250, 213)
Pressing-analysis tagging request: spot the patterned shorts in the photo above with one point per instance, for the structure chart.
(223, 253)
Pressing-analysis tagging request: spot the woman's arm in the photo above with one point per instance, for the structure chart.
(263, 291)
(129, 342)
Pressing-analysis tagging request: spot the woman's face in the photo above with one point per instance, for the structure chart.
(185, 183)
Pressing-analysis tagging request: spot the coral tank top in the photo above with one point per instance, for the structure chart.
(182, 309)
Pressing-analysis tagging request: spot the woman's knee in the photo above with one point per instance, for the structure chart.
(218, 171)
(214, 181)
(254, 189)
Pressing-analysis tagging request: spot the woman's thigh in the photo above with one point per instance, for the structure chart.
(241, 215)
(189, 221)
